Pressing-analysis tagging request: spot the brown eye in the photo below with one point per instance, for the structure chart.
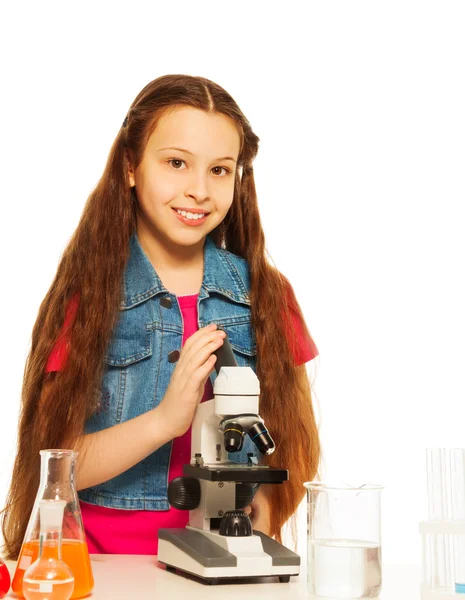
(224, 169)
(176, 160)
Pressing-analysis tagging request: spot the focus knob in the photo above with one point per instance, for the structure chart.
(245, 493)
(235, 523)
(184, 493)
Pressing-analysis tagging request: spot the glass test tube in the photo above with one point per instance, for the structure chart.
(457, 478)
(438, 509)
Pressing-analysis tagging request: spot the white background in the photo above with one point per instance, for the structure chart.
(360, 176)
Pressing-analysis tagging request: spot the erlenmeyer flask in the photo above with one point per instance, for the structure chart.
(57, 483)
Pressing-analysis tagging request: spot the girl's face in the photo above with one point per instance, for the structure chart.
(185, 181)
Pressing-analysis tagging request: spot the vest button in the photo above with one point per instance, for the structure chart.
(173, 356)
(166, 302)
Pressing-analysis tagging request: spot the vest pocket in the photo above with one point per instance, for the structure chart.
(125, 350)
(241, 337)
(124, 390)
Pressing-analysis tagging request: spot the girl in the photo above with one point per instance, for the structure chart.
(169, 248)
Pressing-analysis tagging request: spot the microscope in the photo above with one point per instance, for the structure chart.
(219, 542)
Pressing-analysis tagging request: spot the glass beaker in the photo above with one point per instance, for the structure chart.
(344, 540)
(57, 483)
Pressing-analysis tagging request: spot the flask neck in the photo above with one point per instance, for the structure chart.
(50, 545)
(57, 468)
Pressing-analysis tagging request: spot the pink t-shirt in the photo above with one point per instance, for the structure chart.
(116, 531)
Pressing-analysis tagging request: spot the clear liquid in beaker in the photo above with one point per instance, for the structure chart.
(344, 569)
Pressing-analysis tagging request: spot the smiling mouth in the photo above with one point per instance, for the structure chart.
(192, 215)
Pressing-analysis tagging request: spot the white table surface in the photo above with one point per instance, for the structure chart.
(120, 577)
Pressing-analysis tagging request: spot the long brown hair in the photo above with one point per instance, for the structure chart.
(93, 264)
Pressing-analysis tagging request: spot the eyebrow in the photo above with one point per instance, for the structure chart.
(188, 152)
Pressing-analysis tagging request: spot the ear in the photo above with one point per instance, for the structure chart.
(131, 176)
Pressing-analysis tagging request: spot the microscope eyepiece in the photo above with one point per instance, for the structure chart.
(233, 437)
(261, 438)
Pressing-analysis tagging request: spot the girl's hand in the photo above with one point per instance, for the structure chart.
(186, 387)
(259, 512)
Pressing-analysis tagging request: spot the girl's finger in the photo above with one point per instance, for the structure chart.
(201, 373)
(199, 334)
(191, 358)
(201, 341)
(200, 359)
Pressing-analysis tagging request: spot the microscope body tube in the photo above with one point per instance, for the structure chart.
(237, 391)
(225, 356)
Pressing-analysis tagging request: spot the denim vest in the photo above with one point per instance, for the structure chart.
(140, 360)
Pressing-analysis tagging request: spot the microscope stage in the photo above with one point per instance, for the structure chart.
(237, 472)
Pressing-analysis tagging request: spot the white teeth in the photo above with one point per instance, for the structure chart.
(189, 215)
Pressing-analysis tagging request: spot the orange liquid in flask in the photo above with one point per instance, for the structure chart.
(74, 553)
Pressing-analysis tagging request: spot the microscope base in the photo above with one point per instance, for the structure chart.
(214, 557)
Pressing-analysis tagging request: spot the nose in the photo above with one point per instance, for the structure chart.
(198, 187)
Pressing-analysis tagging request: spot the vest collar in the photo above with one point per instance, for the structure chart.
(220, 276)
